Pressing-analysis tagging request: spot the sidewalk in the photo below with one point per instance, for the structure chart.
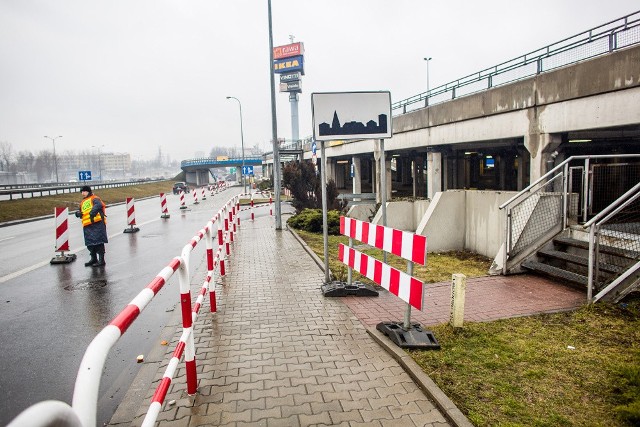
(279, 353)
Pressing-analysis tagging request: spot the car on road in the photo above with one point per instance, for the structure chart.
(180, 186)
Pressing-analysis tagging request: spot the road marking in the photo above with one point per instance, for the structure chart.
(7, 238)
(26, 270)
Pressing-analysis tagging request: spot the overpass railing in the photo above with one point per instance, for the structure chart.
(606, 38)
(35, 190)
(207, 161)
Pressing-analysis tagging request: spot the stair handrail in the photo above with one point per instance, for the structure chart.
(596, 222)
(563, 165)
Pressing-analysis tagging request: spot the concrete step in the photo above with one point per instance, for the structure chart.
(555, 272)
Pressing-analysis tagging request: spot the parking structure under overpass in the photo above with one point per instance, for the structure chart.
(201, 171)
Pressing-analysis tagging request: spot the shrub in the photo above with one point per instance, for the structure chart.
(301, 180)
(311, 220)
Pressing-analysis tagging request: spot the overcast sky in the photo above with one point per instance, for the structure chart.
(141, 75)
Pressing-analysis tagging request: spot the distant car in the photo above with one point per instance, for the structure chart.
(180, 186)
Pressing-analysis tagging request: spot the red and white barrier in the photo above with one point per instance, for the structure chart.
(182, 202)
(204, 195)
(195, 197)
(131, 216)
(62, 237)
(163, 206)
(410, 246)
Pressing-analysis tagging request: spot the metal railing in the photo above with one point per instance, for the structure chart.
(39, 190)
(603, 39)
(569, 193)
(202, 161)
(617, 227)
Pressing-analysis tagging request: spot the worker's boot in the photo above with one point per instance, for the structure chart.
(92, 261)
(100, 261)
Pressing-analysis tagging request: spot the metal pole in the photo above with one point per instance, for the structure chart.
(274, 129)
(407, 313)
(383, 189)
(427, 96)
(242, 175)
(55, 159)
(325, 226)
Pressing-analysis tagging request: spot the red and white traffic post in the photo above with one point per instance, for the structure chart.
(163, 206)
(62, 237)
(182, 202)
(195, 196)
(204, 195)
(131, 216)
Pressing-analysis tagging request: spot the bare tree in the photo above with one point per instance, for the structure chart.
(6, 154)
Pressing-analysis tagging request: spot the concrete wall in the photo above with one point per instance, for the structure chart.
(484, 222)
(444, 222)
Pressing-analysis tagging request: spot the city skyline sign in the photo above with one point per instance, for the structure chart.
(351, 115)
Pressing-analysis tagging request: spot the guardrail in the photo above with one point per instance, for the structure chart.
(83, 409)
(34, 189)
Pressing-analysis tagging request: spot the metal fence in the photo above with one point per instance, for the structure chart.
(606, 38)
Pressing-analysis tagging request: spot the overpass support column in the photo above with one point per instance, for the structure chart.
(541, 147)
(356, 180)
(331, 170)
(239, 174)
(418, 176)
(434, 173)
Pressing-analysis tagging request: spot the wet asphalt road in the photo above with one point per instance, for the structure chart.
(50, 313)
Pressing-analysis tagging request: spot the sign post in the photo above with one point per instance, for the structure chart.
(347, 116)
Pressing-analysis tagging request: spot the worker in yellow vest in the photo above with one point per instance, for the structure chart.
(94, 226)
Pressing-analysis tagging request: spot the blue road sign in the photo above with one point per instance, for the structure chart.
(247, 170)
(84, 175)
(314, 146)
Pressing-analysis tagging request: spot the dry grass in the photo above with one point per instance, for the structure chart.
(11, 210)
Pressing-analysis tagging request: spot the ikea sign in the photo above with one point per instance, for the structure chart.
(287, 65)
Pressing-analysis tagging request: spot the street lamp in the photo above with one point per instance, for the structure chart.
(99, 147)
(55, 160)
(244, 180)
(427, 59)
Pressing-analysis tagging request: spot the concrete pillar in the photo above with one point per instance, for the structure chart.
(386, 172)
(434, 169)
(340, 170)
(418, 176)
(356, 180)
(331, 170)
(239, 174)
(540, 147)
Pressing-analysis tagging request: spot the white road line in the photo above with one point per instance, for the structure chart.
(26, 270)
(7, 238)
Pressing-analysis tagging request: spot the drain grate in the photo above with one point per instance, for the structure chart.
(86, 286)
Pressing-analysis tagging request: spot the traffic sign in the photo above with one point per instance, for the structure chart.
(314, 146)
(247, 170)
(84, 175)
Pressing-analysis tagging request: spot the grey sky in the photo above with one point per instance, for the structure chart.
(138, 75)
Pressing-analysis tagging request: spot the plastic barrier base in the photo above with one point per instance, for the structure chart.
(341, 289)
(131, 230)
(165, 216)
(63, 259)
(414, 338)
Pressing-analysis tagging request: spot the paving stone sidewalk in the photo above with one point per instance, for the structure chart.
(278, 353)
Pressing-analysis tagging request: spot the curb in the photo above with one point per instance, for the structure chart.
(441, 400)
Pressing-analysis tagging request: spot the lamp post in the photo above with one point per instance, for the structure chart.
(244, 180)
(427, 59)
(55, 160)
(99, 147)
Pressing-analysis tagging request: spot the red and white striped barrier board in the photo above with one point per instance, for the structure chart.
(131, 211)
(402, 285)
(163, 206)
(410, 246)
(62, 229)
(182, 203)
(131, 216)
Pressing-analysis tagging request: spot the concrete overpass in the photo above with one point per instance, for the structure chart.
(502, 128)
(199, 170)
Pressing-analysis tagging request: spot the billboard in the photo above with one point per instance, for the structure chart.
(295, 86)
(289, 77)
(351, 115)
(289, 50)
(288, 65)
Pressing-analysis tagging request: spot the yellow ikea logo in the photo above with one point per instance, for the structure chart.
(285, 65)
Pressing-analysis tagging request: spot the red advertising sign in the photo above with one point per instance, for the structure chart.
(286, 51)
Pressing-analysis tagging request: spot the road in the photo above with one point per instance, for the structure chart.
(50, 313)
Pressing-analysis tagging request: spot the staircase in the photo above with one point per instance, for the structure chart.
(566, 258)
